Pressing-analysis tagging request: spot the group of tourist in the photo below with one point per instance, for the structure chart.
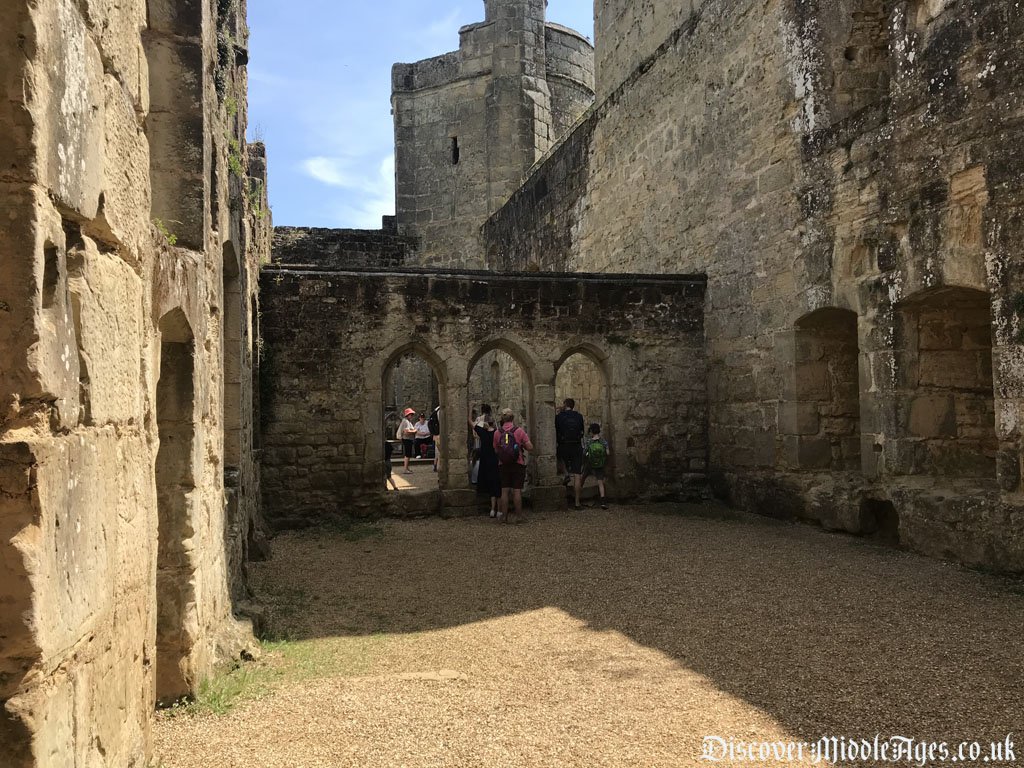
(499, 450)
(498, 453)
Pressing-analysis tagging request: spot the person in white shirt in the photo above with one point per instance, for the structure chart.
(423, 436)
(407, 434)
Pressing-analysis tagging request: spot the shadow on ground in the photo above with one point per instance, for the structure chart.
(828, 634)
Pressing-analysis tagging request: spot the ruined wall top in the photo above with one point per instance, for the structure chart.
(341, 248)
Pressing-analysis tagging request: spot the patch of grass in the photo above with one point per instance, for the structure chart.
(255, 198)
(227, 689)
(283, 662)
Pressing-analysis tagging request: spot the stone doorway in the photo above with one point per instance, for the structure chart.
(175, 484)
(500, 376)
(411, 381)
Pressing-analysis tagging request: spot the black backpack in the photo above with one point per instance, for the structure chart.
(569, 427)
(434, 424)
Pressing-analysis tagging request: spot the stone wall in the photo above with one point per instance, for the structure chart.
(816, 159)
(626, 32)
(329, 338)
(469, 124)
(499, 380)
(125, 349)
(342, 248)
(539, 227)
(409, 383)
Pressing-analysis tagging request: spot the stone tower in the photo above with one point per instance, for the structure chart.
(470, 124)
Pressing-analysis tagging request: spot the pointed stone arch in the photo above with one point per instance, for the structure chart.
(593, 398)
(377, 380)
(528, 367)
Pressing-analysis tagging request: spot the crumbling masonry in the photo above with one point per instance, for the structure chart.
(133, 224)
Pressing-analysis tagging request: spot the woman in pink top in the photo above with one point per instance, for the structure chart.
(511, 444)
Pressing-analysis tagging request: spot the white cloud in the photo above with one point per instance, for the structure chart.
(366, 193)
(331, 171)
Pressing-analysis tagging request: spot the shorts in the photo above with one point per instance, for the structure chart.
(407, 448)
(571, 455)
(387, 469)
(512, 475)
(597, 474)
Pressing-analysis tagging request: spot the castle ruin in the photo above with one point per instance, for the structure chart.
(470, 124)
(842, 173)
(801, 221)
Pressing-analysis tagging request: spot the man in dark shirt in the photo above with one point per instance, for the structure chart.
(569, 434)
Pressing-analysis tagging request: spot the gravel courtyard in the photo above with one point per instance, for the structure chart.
(608, 638)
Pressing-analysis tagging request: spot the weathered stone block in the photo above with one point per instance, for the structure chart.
(799, 418)
(814, 452)
(74, 119)
(932, 416)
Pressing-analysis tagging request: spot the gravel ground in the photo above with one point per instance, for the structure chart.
(616, 638)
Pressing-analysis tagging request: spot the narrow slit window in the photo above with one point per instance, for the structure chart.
(51, 275)
(455, 150)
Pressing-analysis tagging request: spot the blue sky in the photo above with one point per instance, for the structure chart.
(320, 95)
